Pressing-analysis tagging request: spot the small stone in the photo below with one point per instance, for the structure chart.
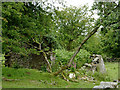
(71, 75)
(88, 65)
(67, 80)
(84, 66)
(97, 87)
(77, 72)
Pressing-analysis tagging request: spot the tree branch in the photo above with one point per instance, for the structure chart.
(82, 43)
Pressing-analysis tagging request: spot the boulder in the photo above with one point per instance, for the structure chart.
(106, 85)
(109, 84)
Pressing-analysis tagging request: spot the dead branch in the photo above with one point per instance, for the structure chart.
(5, 79)
(49, 66)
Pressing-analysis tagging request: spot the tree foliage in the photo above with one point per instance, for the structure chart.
(27, 29)
(110, 31)
(34, 27)
(24, 27)
(72, 26)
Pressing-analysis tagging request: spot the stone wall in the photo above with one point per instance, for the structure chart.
(31, 61)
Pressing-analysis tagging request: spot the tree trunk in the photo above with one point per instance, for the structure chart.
(82, 43)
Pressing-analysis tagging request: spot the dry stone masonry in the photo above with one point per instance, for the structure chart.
(96, 65)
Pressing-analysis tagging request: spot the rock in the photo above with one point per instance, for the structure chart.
(77, 72)
(107, 85)
(98, 62)
(84, 67)
(72, 75)
(97, 87)
(91, 80)
(85, 78)
(101, 65)
(88, 65)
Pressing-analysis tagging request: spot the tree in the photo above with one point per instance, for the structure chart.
(110, 31)
(80, 46)
(72, 26)
(93, 44)
(104, 20)
(24, 31)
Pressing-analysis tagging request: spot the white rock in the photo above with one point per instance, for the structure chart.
(89, 65)
(71, 75)
(77, 72)
(108, 84)
(84, 66)
(96, 59)
(97, 87)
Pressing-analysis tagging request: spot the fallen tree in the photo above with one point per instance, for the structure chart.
(82, 43)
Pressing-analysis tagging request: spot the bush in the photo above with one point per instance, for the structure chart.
(2, 58)
(101, 77)
(82, 57)
(63, 57)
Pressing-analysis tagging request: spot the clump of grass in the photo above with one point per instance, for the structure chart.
(112, 70)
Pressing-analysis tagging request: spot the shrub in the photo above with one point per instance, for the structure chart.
(2, 58)
(63, 57)
(82, 58)
(101, 77)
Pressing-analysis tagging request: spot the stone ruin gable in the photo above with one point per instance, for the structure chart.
(33, 61)
(99, 62)
(37, 61)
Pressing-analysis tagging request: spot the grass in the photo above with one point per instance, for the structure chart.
(112, 70)
(31, 78)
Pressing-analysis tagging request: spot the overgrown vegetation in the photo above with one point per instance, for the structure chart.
(63, 56)
(42, 36)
